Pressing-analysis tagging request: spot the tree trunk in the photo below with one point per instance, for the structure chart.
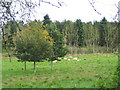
(65, 41)
(51, 65)
(75, 49)
(7, 52)
(93, 47)
(25, 65)
(71, 49)
(34, 67)
(107, 47)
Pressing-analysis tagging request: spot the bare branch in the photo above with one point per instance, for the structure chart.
(10, 9)
(118, 13)
(92, 4)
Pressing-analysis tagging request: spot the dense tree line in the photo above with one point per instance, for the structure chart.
(101, 34)
(93, 36)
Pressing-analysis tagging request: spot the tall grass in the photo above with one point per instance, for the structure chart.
(89, 50)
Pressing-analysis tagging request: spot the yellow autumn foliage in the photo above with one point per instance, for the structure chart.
(34, 40)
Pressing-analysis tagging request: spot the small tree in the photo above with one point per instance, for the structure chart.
(58, 46)
(33, 44)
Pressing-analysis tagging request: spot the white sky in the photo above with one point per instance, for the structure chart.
(77, 9)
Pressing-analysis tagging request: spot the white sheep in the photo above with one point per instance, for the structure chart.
(79, 60)
(68, 59)
(75, 58)
(55, 61)
(59, 58)
(65, 58)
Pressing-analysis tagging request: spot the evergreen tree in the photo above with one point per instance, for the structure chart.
(80, 30)
(46, 20)
(102, 30)
(59, 26)
(10, 29)
(58, 46)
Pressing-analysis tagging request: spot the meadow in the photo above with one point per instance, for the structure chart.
(86, 73)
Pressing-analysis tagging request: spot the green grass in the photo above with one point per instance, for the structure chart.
(66, 74)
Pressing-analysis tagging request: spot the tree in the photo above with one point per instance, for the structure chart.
(114, 36)
(96, 35)
(89, 34)
(8, 31)
(59, 26)
(102, 30)
(67, 31)
(85, 27)
(33, 44)
(24, 11)
(58, 46)
(46, 20)
(92, 35)
(80, 30)
(12, 29)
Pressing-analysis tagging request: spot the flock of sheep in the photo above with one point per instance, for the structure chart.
(68, 59)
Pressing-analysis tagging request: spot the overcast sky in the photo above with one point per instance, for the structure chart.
(78, 9)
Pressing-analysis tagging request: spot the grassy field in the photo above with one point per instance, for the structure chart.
(66, 74)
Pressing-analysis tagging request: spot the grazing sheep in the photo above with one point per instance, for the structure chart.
(79, 60)
(75, 58)
(65, 58)
(59, 58)
(68, 59)
(55, 61)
